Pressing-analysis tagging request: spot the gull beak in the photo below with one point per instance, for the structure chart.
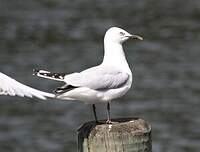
(136, 37)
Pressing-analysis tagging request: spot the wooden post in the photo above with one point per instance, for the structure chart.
(124, 135)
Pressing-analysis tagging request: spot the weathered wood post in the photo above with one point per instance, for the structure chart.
(124, 135)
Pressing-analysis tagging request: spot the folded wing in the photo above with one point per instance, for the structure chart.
(98, 78)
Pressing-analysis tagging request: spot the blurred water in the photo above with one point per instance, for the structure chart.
(61, 35)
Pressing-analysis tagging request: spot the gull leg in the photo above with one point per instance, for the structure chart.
(108, 111)
(94, 111)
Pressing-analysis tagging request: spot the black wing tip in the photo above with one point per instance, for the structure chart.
(58, 90)
(40, 72)
(49, 75)
(64, 89)
(35, 71)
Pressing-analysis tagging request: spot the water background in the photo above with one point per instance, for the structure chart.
(67, 36)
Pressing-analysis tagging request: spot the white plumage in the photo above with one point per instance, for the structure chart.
(103, 83)
(9, 86)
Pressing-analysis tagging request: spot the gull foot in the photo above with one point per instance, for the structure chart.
(109, 121)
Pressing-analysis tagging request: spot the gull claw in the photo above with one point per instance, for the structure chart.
(109, 121)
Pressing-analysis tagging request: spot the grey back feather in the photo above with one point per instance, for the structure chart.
(98, 78)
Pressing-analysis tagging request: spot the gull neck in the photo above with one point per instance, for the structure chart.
(114, 55)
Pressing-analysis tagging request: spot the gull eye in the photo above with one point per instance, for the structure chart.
(122, 33)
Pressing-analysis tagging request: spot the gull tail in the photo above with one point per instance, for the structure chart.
(49, 75)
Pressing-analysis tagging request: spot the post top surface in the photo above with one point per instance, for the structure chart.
(129, 125)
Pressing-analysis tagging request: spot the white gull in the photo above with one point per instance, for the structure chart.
(103, 83)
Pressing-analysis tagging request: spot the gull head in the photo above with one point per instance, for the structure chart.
(118, 35)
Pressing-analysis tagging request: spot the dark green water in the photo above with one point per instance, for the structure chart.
(62, 35)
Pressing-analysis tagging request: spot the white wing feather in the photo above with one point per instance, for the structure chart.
(98, 78)
(9, 86)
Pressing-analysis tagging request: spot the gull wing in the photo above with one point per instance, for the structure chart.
(98, 78)
(9, 86)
